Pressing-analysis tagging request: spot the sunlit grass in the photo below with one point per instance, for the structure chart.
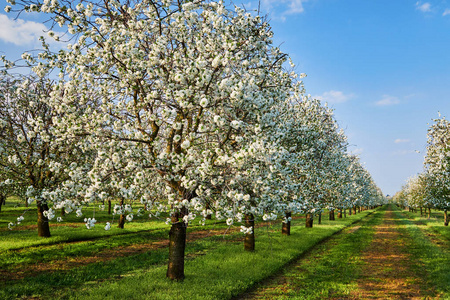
(435, 259)
(329, 271)
(73, 228)
(225, 271)
(216, 267)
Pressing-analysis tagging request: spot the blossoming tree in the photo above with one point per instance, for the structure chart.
(30, 158)
(183, 84)
(437, 164)
(182, 105)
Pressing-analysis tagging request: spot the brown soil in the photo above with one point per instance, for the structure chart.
(389, 272)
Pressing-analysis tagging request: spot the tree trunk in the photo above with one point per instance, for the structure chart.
(359, 208)
(350, 211)
(445, 217)
(286, 227)
(109, 206)
(42, 223)
(122, 216)
(332, 215)
(320, 218)
(1, 201)
(421, 211)
(309, 220)
(429, 213)
(121, 223)
(177, 245)
(354, 209)
(249, 241)
(345, 213)
(63, 212)
(339, 214)
(207, 206)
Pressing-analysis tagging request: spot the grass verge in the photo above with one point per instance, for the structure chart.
(224, 270)
(328, 271)
(435, 259)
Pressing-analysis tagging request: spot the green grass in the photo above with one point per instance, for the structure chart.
(329, 270)
(62, 283)
(435, 259)
(216, 266)
(435, 223)
(223, 272)
(73, 228)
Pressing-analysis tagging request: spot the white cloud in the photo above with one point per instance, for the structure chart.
(387, 101)
(426, 7)
(357, 151)
(403, 152)
(334, 97)
(296, 7)
(446, 12)
(293, 6)
(20, 32)
(398, 141)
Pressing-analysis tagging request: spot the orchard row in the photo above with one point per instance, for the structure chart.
(184, 106)
(431, 188)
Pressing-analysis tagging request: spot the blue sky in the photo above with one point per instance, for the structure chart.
(384, 66)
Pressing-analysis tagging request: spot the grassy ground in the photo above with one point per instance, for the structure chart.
(385, 256)
(430, 244)
(132, 263)
(329, 271)
(25, 234)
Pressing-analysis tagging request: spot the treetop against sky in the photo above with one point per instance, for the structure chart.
(382, 65)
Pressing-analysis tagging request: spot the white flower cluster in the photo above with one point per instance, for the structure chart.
(430, 188)
(90, 222)
(49, 214)
(213, 124)
(246, 230)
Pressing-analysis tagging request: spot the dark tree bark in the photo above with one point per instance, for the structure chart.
(309, 220)
(249, 241)
(320, 218)
(63, 212)
(42, 223)
(2, 201)
(122, 216)
(421, 211)
(445, 217)
(109, 206)
(208, 216)
(339, 215)
(350, 211)
(177, 245)
(121, 222)
(286, 227)
(354, 209)
(429, 213)
(332, 218)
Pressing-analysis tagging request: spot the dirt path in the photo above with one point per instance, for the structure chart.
(366, 261)
(390, 272)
